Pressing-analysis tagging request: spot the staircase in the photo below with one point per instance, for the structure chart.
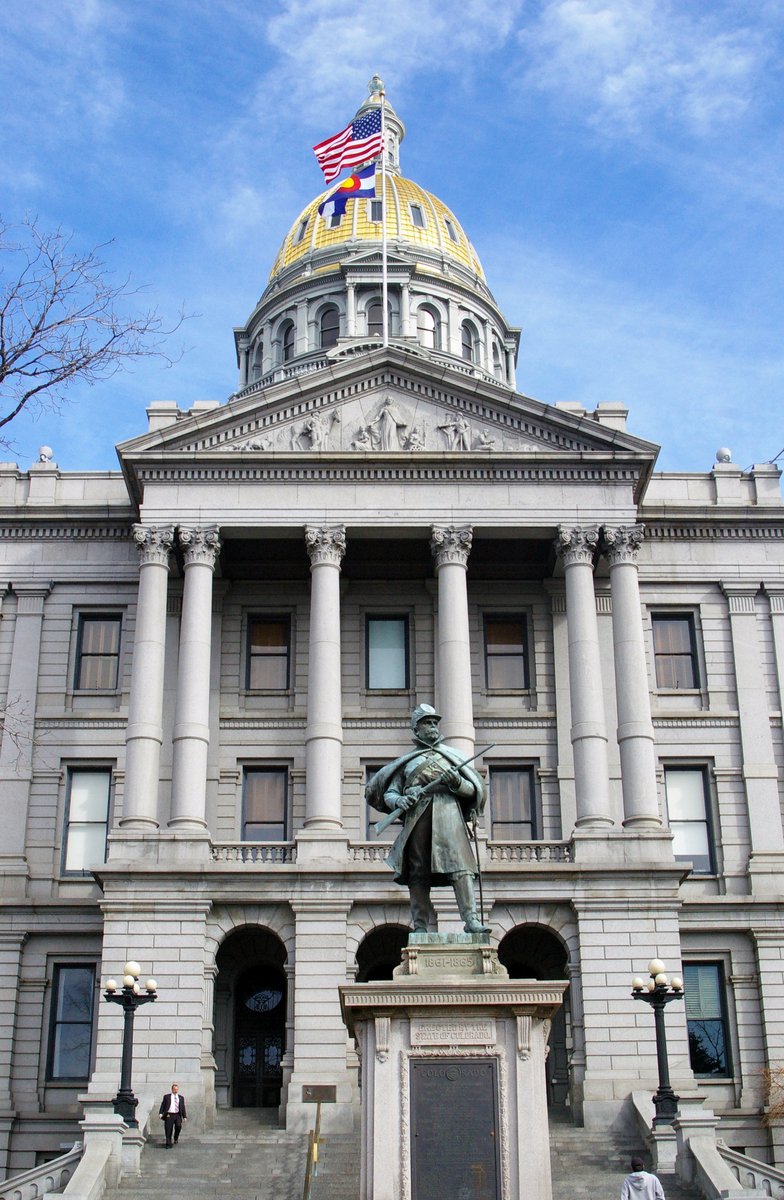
(246, 1157)
(588, 1167)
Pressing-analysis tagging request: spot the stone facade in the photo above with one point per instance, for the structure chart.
(202, 657)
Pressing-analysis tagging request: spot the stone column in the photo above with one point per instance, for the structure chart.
(405, 310)
(18, 735)
(244, 349)
(635, 727)
(760, 773)
(192, 709)
(144, 733)
(562, 712)
(450, 546)
(351, 310)
(576, 548)
(510, 367)
(453, 329)
(11, 946)
(326, 546)
(302, 327)
(775, 596)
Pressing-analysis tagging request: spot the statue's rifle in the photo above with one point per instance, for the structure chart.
(381, 825)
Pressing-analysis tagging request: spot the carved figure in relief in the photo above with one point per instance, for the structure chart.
(387, 426)
(437, 795)
(417, 439)
(457, 431)
(485, 441)
(362, 439)
(313, 433)
(263, 442)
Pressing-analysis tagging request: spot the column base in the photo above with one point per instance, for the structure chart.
(316, 844)
(14, 874)
(765, 871)
(637, 847)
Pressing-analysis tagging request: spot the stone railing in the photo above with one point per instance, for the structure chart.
(520, 852)
(254, 852)
(752, 1174)
(48, 1178)
(369, 851)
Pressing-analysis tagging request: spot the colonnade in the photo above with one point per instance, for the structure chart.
(577, 548)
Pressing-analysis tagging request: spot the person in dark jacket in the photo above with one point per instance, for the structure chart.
(172, 1113)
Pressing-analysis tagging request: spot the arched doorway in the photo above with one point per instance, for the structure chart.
(533, 952)
(380, 952)
(250, 1019)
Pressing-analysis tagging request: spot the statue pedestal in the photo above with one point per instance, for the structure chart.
(453, 1075)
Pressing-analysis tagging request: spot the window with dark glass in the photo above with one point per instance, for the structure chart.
(87, 818)
(450, 228)
(299, 235)
(675, 650)
(686, 790)
(375, 318)
(287, 341)
(468, 342)
(264, 804)
(269, 640)
(417, 216)
(329, 327)
(334, 220)
(706, 1019)
(387, 653)
(375, 210)
(71, 1022)
(427, 328)
(512, 808)
(506, 657)
(98, 652)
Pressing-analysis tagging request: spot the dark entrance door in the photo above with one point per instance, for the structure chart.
(259, 1037)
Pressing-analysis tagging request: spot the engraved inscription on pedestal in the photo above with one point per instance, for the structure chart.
(455, 1032)
(454, 1129)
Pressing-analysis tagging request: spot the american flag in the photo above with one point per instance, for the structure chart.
(357, 143)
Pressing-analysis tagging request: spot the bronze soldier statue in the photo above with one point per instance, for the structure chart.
(437, 796)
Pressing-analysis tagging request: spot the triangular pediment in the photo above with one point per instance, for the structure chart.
(380, 403)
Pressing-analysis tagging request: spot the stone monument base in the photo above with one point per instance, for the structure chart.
(452, 1057)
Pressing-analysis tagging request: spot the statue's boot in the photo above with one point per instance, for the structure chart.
(466, 903)
(423, 915)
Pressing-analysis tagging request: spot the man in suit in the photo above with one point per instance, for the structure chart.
(172, 1113)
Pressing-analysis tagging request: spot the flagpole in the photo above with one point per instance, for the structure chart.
(384, 285)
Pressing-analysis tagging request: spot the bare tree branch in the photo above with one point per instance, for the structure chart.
(62, 319)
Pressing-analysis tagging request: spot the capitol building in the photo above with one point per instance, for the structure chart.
(205, 655)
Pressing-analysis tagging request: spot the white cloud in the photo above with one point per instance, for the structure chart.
(638, 61)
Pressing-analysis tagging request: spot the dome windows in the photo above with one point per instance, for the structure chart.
(450, 228)
(417, 216)
(301, 228)
(469, 342)
(286, 335)
(428, 328)
(329, 327)
(374, 211)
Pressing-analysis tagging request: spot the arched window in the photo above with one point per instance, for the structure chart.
(329, 327)
(258, 361)
(428, 328)
(498, 360)
(468, 341)
(287, 341)
(375, 322)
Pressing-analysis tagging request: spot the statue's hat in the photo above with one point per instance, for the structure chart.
(421, 711)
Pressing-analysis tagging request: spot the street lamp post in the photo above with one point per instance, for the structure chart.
(659, 992)
(129, 997)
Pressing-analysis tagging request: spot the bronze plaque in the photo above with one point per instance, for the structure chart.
(454, 1129)
(323, 1093)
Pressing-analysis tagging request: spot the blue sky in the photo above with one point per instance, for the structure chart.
(617, 163)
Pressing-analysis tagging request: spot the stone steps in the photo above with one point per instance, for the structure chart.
(246, 1157)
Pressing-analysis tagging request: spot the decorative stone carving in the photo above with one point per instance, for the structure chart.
(201, 545)
(450, 544)
(262, 442)
(486, 441)
(577, 545)
(325, 544)
(387, 429)
(383, 1028)
(524, 1025)
(417, 439)
(153, 543)
(315, 431)
(362, 439)
(621, 542)
(457, 433)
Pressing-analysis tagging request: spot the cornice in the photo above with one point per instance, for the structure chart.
(750, 525)
(353, 468)
(31, 529)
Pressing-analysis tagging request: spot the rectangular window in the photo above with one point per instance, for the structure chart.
(268, 653)
(450, 228)
(334, 220)
(299, 235)
(71, 1023)
(387, 653)
(87, 819)
(506, 658)
(675, 651)
(98, 652)
(372, 816)
(417, 216)
(375, 210)
(686, 789)
(512, 807)
(264, 804)
(706, 1019)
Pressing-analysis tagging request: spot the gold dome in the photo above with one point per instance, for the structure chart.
(440, 233)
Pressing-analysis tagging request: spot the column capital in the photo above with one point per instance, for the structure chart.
(621, 542)
(325, 544)
(577, 545)
(740, 596)
(154, 543)
(201, 545)
(451, 544)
